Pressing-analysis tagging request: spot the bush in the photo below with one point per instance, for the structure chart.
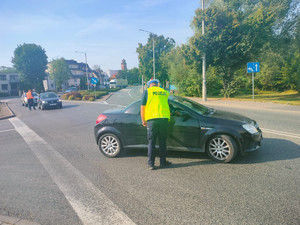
(71, 97)
(87, 97)
(79, 99)
(75, 95)
(91, 99)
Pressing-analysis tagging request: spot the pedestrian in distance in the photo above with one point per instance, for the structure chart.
(155, 114)
(29, 97)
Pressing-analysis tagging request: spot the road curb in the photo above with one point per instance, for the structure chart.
(4, 220)
(265, 106)
(6, 111)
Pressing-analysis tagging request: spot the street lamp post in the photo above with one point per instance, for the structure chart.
(204, 98)
(86, 73)
(153, 50)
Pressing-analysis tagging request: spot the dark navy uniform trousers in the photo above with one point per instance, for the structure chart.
(157, 128)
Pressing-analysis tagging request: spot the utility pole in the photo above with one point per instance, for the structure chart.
(204, 98)
(86, 70)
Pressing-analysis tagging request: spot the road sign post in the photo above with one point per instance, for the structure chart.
(94, 81)
(253, 67)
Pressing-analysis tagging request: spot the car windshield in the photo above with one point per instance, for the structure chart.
(48, 95)
(34, 94)
(201, 109)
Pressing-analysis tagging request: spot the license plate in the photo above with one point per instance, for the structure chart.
(53, 104)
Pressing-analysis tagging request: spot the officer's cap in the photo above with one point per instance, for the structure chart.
(153, 81)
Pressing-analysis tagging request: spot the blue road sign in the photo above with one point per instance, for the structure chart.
(253, 67)
(94, 80)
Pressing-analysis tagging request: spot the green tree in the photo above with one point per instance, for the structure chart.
(131, 75)
(83, 83)
(59, 72)
(161, 46)
(30, 60)
(181, 75)
(235, 33)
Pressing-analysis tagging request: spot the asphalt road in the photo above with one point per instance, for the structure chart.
(53, 173)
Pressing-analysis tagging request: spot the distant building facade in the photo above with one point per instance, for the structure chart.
(123, 65)
(78, 71)
(10, 83)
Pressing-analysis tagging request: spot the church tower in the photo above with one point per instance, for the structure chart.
(123, 65)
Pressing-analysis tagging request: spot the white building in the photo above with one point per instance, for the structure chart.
(10, 83)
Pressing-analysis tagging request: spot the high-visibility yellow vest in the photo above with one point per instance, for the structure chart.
(157, 104)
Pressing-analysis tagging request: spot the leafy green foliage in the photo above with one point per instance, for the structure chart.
(131, 75)
(161, 46)
(59, 72)
(237, 32)
(30, 60)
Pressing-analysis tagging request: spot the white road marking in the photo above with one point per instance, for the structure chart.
(1, 131)
(130, 93)
(91, 205)
(282, 133)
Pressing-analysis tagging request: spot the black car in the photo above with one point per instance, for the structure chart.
(71, 89)
(48, 100)
(192, 127)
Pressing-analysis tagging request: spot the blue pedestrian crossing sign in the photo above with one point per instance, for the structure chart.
(94, 80)
(253, 67)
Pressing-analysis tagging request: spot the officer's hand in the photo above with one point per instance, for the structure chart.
(144, 123)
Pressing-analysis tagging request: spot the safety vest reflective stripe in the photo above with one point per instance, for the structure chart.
(157, 104)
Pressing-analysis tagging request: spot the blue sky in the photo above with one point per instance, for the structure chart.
(107, 30)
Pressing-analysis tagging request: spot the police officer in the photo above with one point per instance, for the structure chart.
(29, 97)
(155, 114)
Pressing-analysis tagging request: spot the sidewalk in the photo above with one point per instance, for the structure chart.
(6, 220)
(5, 111)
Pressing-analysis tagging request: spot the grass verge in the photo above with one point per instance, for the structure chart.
(287, 97)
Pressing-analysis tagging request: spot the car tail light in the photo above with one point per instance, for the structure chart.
(100, 118)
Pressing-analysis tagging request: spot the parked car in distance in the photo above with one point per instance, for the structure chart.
(71, 89)
(48, 100)
(192, 127)
(25, 101)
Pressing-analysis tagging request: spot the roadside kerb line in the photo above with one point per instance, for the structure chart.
(91, 205)
(1, 131)
(281, 133)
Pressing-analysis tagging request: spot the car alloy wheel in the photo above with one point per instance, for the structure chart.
(222, 148)
(110, 145)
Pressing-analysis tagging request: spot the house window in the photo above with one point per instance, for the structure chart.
(13, 78)
(2, 77)
(4, 87)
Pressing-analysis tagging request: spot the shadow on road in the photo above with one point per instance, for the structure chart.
(272, 150)
(69, 106)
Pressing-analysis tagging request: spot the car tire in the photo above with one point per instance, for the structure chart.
(222, 148)
(110, 145)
